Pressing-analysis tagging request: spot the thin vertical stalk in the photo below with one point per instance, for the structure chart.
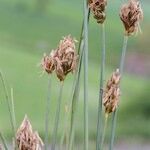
(123, 54)
(13, 116)
(13, 108)
(77, 86)
(114, 117)
(102, 74)
(104, 132)
(8, 103)
(47, 113)
(3, 141)
(57, 117)
(74, 103)
(85, 75)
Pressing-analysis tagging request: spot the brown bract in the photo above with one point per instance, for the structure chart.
(27, 139)
(98, 8)
(131, 14)
(112, 93)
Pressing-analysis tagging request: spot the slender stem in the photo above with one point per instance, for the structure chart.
(74, 103)
(8, 104)
(57, 118)
(47, 113)
(123, 54)
(102, 74)
(3, 141)
(104, 132)
(85, 75)
(13, 116)
(114, 117)
(13, 108)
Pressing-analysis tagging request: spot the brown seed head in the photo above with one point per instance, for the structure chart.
(48, 63)
(26, 138)
(112, 93)
(66, 57)
(98, 8)
(131, 14)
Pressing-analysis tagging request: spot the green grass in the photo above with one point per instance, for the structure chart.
(25, 35)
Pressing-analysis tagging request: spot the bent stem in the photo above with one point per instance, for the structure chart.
(57, 117)
(104, 132)
(85, 75)
(47, 113)
(114, 117)
(3, 141)
(102, 74)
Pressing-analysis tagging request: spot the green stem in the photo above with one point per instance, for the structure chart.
(57, 118)
(13, 108)
(8, 104)
(13, 117)
(104, 132)
(114, 117)
(85, 75)
(3, 141)
(47, 113)
(123, 54)
(102, 74)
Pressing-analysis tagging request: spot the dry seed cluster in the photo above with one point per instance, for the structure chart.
(62, 60)
(131, 14)
(112, 93)
(27, 139)
(98, 8)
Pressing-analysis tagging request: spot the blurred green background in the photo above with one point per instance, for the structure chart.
(28, 28)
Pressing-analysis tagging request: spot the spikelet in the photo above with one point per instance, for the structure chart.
(131, 14)
(48, 62)
(27, 139)
(112, 93)
(62, 60)
(66, 57)
(98, 8)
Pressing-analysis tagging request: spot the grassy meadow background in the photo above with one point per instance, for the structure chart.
(27, 31)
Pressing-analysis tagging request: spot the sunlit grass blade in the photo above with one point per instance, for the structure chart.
(114, 116)
(3, 141)
(57, 117)
(102, 74)
(86, 137)
(47, 117)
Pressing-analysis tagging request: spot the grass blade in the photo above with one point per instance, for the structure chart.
(85, 75)
(57, 117)
(77, 86)
(47, 113)
(102, 74)
(8, 104)
(114, 117)
(3, 141)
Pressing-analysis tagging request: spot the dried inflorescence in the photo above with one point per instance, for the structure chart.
(66, 57)
(63, 60)
(26, 139)
(112, 93)
(98, 8)
(48, 63)
(131, 14)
